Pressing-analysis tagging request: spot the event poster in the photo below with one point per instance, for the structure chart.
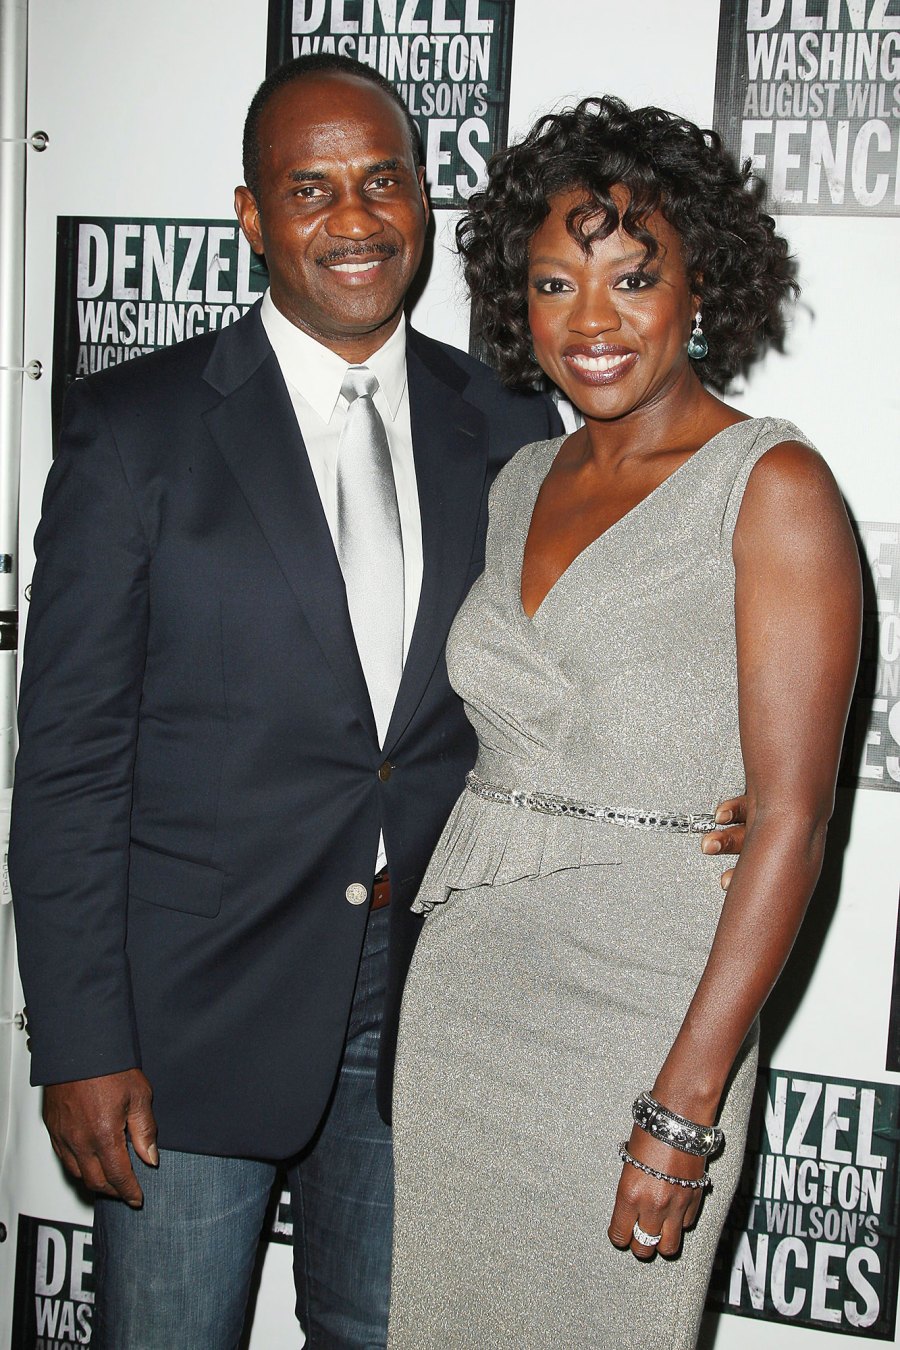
(280, 1227)
(892, 1059)
(126, 286)
(809, 92)
(54, 1291)
(811, 1238)
(872, 745)
(450, 61)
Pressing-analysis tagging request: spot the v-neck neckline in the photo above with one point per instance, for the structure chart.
(611, 529)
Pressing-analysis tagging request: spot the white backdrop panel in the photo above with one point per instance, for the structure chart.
(144, 106)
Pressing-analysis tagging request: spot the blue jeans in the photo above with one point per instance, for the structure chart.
(175, 1274)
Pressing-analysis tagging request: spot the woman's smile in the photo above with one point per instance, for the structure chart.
(602, 363)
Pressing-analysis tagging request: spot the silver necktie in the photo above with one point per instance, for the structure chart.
(369, 543)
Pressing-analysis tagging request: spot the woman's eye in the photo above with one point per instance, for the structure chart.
(550, 285)
(635, 281)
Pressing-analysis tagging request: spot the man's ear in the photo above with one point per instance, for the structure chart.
(247, 212)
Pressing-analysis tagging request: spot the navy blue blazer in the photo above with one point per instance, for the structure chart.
(197, 783)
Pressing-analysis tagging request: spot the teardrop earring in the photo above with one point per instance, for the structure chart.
(697, 344)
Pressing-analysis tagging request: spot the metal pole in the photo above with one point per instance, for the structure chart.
(13, 150)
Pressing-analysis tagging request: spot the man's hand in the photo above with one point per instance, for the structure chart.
(88, 1120)
(734, 814)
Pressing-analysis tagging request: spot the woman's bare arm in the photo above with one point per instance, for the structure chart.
(798, 615)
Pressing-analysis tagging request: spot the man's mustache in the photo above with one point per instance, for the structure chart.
(345, 254)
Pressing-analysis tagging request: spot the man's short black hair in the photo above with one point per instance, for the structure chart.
(321, 64)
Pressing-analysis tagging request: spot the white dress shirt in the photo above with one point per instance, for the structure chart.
(314, 375)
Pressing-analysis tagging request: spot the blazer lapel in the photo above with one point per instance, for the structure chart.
(449, 439)
(255, 429)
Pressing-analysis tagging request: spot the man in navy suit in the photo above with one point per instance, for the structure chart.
(205, 801)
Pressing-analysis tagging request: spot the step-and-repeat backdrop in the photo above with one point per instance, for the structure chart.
(131, 245)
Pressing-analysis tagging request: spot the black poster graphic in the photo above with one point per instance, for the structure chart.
(54, 1290)
(811, 1239)
(281, 1220)
(809, 90)
(872, 744)
(450, 60)
(127, 286)
(892, 1059)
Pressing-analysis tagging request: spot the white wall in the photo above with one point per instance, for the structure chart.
(144, 106)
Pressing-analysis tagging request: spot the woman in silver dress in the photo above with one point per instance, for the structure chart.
(670, 613)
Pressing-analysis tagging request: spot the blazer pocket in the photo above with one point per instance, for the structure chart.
(174, 883)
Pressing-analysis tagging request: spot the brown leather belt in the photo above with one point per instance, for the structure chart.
(381, 890)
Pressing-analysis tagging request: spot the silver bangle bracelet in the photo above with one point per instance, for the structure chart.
(704, 1183)
(676, 1131)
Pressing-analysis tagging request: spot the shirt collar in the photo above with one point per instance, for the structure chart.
(389, 365)
(317, 373)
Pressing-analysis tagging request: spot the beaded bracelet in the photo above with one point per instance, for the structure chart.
(704, 1183)
(676, 1131)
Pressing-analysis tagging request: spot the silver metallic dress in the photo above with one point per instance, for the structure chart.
(561, 952)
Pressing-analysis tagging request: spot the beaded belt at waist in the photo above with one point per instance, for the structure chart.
(547, 804)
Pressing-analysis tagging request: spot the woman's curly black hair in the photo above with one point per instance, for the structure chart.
(735, 262)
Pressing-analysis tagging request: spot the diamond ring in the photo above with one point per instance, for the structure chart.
(645, 1239)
